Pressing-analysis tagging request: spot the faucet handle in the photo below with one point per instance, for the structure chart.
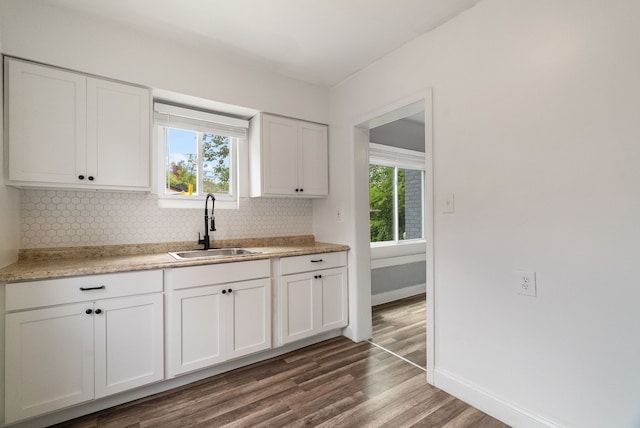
(200, 240)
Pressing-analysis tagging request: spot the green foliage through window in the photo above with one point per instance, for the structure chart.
(381, 203)
(395, 203)
(211, 171)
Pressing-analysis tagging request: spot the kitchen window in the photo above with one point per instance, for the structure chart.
(396, 195)
(198, 154)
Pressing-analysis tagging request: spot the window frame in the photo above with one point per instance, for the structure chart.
(200, 122)
(398, 158)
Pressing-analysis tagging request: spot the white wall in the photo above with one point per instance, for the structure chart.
(40, 32)
(9, 208)
(9, 240)
(536, 131)
(37, 31)
(9, 221)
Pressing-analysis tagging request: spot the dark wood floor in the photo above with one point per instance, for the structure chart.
(401, 327)
(336, 383)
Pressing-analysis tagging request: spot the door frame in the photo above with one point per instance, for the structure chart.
(361, 129)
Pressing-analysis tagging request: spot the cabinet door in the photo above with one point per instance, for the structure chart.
(47, 124)
(196, 329)
(118, 123)
(333, 295)
(313, 159)
(280, 155)
(128, 342)
(248, 306)
(298, 307)
(49, 360)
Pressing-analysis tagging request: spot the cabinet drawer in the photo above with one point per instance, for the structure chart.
(196, 276)
(312, 262)
(33, 294)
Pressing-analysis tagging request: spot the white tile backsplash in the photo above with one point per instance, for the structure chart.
(62, 218)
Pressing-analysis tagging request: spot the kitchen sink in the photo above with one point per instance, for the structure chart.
(213, 253)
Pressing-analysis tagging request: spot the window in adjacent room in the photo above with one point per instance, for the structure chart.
(396, 189)
(198, 155)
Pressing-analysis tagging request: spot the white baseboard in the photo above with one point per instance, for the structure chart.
(390, 296)
(500, 409)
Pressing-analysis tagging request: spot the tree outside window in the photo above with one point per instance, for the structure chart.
(395, 203)
(197, 161)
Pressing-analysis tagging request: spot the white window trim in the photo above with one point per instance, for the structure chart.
(398, 260)
(196, 201)
(390, 250)
(211, 122)
(169, 116)
(390, 156)
(381, 154)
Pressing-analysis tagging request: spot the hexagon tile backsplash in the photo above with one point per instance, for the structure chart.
(57, 218)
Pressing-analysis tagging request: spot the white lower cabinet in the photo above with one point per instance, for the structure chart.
(195, 329)
(49, 360)
(216, 313)
(69, 341)
(129, 343)
(314, 300)
(64, 355)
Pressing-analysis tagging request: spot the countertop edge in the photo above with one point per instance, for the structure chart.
(23, 271)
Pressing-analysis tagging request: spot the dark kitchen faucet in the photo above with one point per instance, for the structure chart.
(205, 240)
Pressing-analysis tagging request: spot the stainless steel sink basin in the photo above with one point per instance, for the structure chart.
(211, 254)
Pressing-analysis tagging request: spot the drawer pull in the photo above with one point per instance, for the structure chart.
(317, 261)
(102, 287)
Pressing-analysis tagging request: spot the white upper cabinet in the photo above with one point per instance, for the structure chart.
(117, 134)
(288, 157)
(279, 156)
(47, 123)
(68, 130)
(313, 159)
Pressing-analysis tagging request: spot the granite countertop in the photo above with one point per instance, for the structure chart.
(36, 264)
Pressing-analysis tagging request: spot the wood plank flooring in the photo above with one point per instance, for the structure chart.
(401, 327)
(336, 383)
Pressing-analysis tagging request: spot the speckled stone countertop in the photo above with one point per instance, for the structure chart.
(48, 263)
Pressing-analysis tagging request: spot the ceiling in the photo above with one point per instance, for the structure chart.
(317, 41)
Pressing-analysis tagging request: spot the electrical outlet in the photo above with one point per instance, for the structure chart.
(526, 283)
(338, 214)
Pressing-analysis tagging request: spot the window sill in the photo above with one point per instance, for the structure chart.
(195, 202)
(384, 250)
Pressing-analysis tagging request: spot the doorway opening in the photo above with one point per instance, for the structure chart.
(398, 212)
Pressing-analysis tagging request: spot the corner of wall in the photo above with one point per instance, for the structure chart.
(9, 201)
(9, 224)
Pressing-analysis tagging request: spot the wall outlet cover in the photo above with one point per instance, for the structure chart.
(525, 283)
